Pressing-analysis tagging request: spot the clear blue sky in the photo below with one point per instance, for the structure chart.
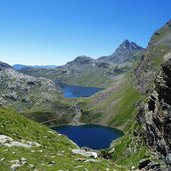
(56, 31)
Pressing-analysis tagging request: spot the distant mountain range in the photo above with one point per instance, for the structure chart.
(20, 66)
(87, 71)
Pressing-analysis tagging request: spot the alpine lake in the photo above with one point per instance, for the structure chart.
(87, 135)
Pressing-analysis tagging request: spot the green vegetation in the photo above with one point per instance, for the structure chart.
(162, 33)
(54, 148)
(130, 149)
(117, 108)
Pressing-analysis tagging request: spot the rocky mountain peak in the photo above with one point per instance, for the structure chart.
(126, 52)
(127, 45)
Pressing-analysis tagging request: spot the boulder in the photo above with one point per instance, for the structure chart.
(143, 163)
(15, 166)
(85, 153)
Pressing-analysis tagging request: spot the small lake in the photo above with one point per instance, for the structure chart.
(92, 136)
(74, 91)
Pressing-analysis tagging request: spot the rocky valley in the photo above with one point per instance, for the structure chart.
(136, 99)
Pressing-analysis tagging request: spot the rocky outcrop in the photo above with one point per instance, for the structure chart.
(9, 142)
(15, 87)
(156, 118)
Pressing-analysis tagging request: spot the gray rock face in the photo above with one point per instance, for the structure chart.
(157, 117)
(126, 52)
(17, 87)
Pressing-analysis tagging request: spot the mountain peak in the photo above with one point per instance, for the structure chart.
(81, 60)
(126, 52)
(126, 44)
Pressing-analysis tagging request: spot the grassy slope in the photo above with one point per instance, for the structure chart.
(129, 149)
(60, 111)
(53, 145)
(117, 109)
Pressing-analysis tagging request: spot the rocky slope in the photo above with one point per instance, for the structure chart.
(153, 77)
(150, 65)
(156, 116)
(126, 52)
(38, 98)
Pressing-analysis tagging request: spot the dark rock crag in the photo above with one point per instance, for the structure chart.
(156, 119)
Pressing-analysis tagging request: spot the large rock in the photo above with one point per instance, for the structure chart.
(9, 142)
(85, 153)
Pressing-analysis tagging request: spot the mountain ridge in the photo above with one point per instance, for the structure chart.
(86, 71)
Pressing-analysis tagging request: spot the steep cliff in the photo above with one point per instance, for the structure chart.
(156, 116)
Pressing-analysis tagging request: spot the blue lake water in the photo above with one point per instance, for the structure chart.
(74, 91)
(92, 136)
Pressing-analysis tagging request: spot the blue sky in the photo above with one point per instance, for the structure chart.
(56, 31)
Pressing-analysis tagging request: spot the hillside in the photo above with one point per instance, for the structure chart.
(146, 121)
(150, 65)
(26, 145)
(37, 98)
(81, 71)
